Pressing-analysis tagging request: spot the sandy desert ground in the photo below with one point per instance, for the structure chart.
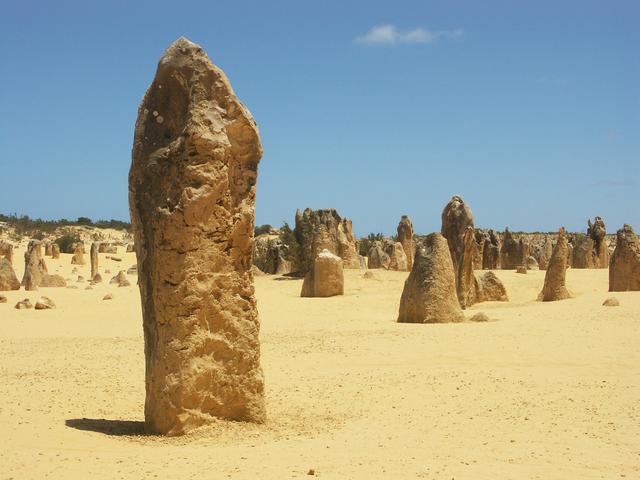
(543, 391)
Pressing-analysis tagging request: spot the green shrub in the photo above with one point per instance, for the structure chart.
(262, 229)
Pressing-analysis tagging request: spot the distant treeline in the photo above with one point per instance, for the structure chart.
(24, 225)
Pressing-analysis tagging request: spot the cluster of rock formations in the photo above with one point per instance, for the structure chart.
(192, 194)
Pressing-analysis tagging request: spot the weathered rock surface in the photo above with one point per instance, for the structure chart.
(405, 237)
(377, 257)
(491, 289)
(317, 230)
(34, 266)
(45, 303)
(93, 256)
(6, 251)
(554, 280)
(429, 294)
(192, 194)
(624, 267)
(269, 255)
(55, 250)
(513, 252)
(8, 278)
(597, 232)
(78, 254)
(397, 257)
(326, 278)
(582, 251)
(456, 219)
(491, 252)
(24, 304)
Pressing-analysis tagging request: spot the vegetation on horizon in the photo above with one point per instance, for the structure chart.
(24, 225)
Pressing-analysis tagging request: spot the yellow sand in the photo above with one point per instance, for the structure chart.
(549, 391)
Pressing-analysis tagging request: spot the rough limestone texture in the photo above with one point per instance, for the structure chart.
(582, 251)
(78, 254)
(34, 266)
(554, 280)
(624, 266)
(55, 251)
(317, 230)
(491, 252)
(326, 278)
(6, 251)
(93, 257)
(45, 303)
(597, 231)
(397, 257)
(8, 278)
(377, 257)
(456, 218)
(521, 269)
(513, 251)
(192, 195)
(429, 294)
(491, 289)
(405, 237)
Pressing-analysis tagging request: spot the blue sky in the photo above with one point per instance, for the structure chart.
(529, 110)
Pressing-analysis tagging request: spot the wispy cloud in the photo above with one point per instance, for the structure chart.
(391, 35)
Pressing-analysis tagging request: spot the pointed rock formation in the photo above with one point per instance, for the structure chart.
(8, 278)
(554, 280)
(192, 195)
(34, 267)
(78, 254)
(429, 294)
(624, 267)
(405, 237)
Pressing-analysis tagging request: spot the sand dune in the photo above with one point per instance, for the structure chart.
(544, 391)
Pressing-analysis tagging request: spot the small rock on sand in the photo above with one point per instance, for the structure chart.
(45, 303)
(3, 299)
(24, 304)
(479, 317)
(611, 302)
(108, 296)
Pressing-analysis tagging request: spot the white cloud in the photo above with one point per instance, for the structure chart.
(390, 35)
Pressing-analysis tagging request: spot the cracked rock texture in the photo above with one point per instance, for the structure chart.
(192, 194)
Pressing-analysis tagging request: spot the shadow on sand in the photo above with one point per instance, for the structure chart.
(108, 427)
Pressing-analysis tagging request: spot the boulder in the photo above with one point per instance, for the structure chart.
(326, 278)
(491, 289)
(78, 254)
(120, 279)
(554, 280)
(8, 278)
(377, 257)
(624, 266)
(24, 304)
(429, 294)
(397, 257)
(192, 187)
(45, 303)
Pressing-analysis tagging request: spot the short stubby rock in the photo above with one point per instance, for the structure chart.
(45, 303)
(611, 302)
(24, 304)
(326, 278)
